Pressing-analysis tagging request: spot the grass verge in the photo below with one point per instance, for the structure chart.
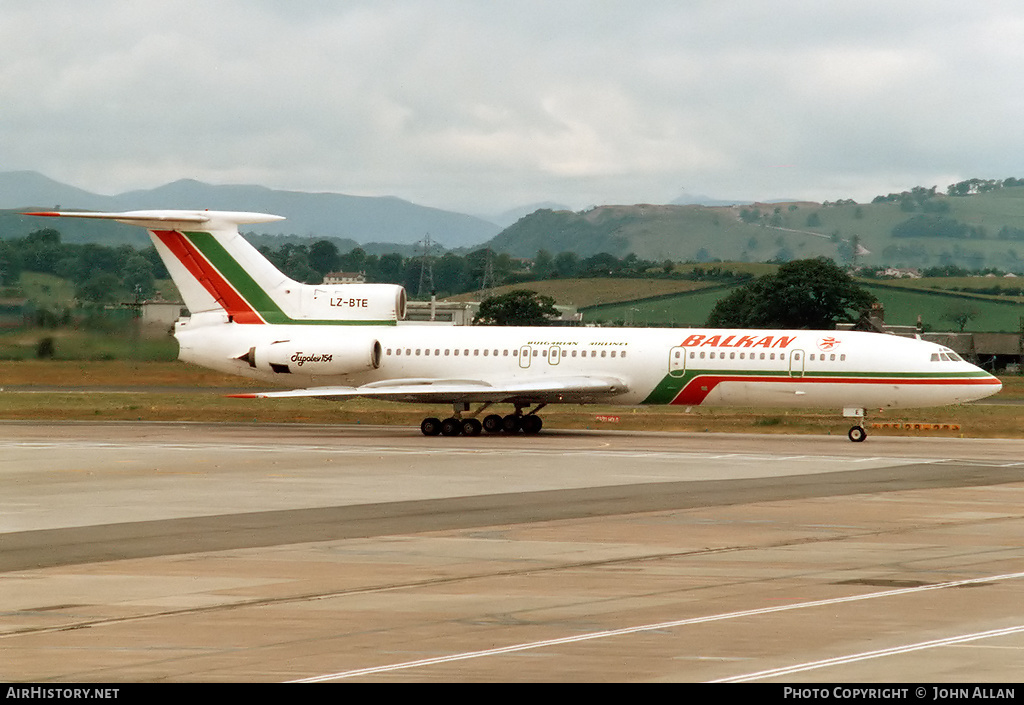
(161, 391)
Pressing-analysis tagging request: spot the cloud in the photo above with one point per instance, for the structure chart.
(482, 106)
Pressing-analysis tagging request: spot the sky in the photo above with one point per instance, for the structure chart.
(485, 106)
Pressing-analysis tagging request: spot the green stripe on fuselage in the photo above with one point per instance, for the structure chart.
(669, 387)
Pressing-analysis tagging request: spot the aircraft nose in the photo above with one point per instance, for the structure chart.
(997, 385)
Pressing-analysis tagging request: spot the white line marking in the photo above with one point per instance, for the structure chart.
(853, 658)
(663, 625)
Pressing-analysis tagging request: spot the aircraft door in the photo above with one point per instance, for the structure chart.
(796, 363)
(677, 361)
(554, 355)
(525, 353)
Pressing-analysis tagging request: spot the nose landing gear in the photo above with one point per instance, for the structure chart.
(857, 433)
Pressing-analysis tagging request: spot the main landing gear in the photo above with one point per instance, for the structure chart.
(457, 425)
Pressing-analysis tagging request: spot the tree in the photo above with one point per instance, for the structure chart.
(521, 307)
(324, 257)
(809, 293)
(959, 314)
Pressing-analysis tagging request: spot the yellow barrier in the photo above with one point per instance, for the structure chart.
(912, 426)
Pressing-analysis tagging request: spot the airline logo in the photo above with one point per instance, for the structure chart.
(828, 343)
(738, 341)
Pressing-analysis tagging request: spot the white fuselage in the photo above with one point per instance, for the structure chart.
(657, 366)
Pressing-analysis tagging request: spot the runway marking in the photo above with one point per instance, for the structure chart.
(479, 452)
(866, 655)
(514, 648)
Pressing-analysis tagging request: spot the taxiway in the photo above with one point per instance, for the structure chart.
(238, 552)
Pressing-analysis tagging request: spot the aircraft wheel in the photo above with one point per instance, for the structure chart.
(431, 426)
(492, 423)
(531, 424)
(471, 427)
(451, 427)
(510, 424)
(857, 434)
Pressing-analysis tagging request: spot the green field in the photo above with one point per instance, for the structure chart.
(902, 307)
(690, 309)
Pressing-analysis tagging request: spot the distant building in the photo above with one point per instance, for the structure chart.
(462, 313)
(450, 313)
(899, 273)
(345, 278)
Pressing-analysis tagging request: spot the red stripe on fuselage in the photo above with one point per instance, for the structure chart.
(698, 388)
(205, 273)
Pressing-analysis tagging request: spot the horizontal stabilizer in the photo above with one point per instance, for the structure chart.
(170, 219)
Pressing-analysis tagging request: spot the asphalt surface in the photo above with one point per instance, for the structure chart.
(238, 552)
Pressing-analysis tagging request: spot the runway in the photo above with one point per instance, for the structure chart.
(247, 552)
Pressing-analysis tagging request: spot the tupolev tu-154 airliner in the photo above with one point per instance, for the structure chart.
(342, 341)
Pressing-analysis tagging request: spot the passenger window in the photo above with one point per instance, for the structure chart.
(623, 354)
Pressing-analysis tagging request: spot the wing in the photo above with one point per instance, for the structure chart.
(574, 389)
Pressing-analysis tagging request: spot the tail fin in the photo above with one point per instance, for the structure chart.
(216, 269)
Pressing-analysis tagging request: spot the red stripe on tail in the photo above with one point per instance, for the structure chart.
(205, 273)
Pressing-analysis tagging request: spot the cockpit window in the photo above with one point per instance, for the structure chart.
(935, 357)
(956, 358)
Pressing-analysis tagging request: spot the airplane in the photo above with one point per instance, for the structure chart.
(343, 341)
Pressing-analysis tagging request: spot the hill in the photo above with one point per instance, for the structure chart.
(359, 218)
(972, 231)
